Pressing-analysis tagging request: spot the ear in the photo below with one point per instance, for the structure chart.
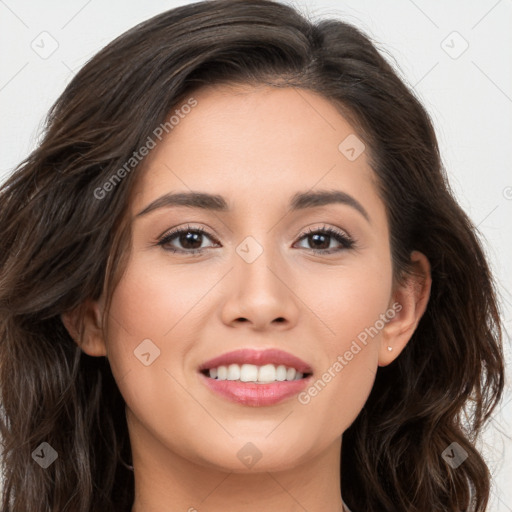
(84, 324)
(409, 302)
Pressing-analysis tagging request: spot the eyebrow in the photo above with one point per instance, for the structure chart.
(214, 202)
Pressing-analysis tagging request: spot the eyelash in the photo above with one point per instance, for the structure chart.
(345, 241)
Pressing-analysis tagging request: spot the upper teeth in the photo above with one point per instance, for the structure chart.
(253, 373)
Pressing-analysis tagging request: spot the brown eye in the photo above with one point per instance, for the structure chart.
(320, 240)
(189, 239)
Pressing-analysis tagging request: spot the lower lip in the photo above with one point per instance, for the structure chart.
(256, 395)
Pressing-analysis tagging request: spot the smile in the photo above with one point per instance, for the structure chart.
(252, 373)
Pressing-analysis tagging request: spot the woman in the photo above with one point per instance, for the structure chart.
(336, 343)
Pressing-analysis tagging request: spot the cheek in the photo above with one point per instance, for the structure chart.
(156, 300)
(149, 336)
(157, 308)
(351, 304)
(349, 300)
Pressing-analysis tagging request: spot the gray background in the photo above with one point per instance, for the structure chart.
(468, 92)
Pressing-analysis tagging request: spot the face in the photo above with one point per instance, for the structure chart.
(313, 279)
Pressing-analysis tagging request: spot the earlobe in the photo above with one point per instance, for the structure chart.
(84, 324)
(410, 301)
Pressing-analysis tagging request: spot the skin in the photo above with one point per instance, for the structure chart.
(256, 146)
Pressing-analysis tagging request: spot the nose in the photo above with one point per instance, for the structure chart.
(261, 293)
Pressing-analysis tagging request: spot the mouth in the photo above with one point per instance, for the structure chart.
(265, 374)
(256, 378)
(253, 365)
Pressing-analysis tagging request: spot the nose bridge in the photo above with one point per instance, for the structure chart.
(258, 264)
(260, 294)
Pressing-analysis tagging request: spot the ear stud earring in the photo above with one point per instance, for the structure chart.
(390, 348)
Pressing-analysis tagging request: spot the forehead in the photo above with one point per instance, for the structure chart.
(264, 143)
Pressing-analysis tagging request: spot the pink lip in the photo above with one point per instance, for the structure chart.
(259, 358)
(255, 395)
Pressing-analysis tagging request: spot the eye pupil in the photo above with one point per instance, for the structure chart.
(317, 236)
(190, 237)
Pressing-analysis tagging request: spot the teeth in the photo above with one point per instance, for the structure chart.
(233, 372)
(267, 373)
(285, 374)
(290, 374)
(253, 373)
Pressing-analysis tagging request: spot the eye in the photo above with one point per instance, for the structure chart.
(322, 238)
(190, 239)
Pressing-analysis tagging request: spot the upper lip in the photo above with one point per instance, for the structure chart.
(258, 357)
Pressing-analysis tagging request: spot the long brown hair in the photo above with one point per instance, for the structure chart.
(62, 243)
